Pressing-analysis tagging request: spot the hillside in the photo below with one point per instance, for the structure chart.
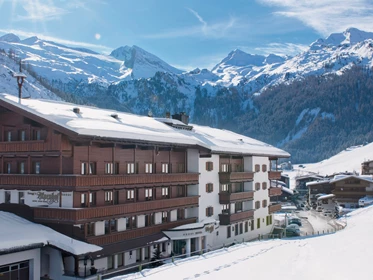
(322, 257)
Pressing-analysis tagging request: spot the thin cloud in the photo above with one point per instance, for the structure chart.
(227, 28)
(37, 11)
(327, 16)
(71, 43)
(282, 49)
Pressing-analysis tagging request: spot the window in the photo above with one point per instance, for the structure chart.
(21, 168)
(130, 168)
(149, 219)
(7, 196)
(36, 134)
(164, 167)
(133, 222)
(180, 168)
(113, 225)
(268, 220)
(107, 226)
(164, 192)
(209, 211)
(224, 167)
(108, 197)
(252, 225)
(109, 168)
(130, 194)
(257, 186)
(83, 168)
(264, 185)
(164, 217)
(246, 226)
(209, 188)
(238, 206)
(241, 228)
(120, 260)
(264, 167)
(209, 165)
(148, 167)
(21, 198)
(257, 167)
(83, 200)
(264, 203)
(180, 214)
(92, 198)
(110, 262)
(225, 209)
(228, 231)
(224, 187)
(37, 167)
(149, 194)
(90, 229)
(92, 168)
(8, 136)
(22, 135)
(258, 223)
(7, 167)
(236, 229)
(257, 204)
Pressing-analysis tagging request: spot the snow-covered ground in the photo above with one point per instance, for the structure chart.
(343, 255)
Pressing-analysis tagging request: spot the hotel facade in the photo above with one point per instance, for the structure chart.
(130, 184)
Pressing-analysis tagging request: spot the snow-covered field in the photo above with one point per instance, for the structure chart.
(343, 255)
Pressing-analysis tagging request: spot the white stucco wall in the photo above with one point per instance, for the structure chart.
(99, 228)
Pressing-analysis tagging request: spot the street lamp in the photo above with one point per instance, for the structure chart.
(20, 79)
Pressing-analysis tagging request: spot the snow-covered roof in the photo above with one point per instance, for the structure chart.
(287, 190)
(100, 123)
(327, 196)
(344, 177)
(17, 233)
(318, 182)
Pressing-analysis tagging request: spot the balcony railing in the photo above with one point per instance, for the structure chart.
(227, 219)
(226, 197)
(86, 214)
(75, 182)
(135, 233)
(232, 177)
(274, 175)
(274, 191)
(274, 208)
(22, 146)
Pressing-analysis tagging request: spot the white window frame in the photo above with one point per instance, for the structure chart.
(22, 167)
(224, 167)
(148, 193)
(148, 167)
(109, 168)
(130, 167)
(108, 196)
(224, 187)
(164, 191)
(130, 194)
(37, 167)
(164, 167)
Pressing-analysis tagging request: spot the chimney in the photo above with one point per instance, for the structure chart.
(181, 117)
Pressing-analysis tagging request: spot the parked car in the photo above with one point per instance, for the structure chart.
(319, 209)
(295, 221)
(292, 230)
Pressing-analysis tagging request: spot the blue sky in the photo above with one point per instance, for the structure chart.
(186, 33)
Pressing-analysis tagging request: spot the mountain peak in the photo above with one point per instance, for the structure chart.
(142, 63)
(30, 41)
(354, 35)
(10, 37)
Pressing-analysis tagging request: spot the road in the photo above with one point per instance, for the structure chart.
(314, 222)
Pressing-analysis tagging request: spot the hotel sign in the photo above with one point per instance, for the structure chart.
(43, 198)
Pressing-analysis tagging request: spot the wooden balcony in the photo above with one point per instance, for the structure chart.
(227, 219)
(22, 146)
(85, 182)
(135, 233)
(87, 214)
(274, 175)
(226, 197)
(274, 208)
(232, 177)
(274, 191)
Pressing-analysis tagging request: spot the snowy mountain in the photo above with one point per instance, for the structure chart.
(227, 96)
(141, 63)
(31, 87)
